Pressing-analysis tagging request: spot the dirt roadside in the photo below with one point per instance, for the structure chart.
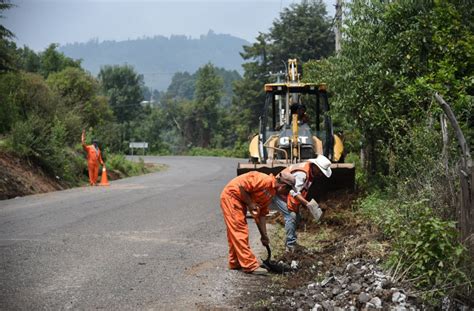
(338, 267)
(339, 241)
(20, 177)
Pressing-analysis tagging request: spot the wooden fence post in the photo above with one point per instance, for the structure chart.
(466, 176)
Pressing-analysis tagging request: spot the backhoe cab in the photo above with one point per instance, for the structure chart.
(285, 136)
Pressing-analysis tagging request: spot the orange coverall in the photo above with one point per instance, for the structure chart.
(93, 158)
(261, 188)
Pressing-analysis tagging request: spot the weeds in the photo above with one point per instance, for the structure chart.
(425, 248)
(120, 163)
(44, 143)
(313, 241)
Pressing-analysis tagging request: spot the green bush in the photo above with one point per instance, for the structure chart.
(425, 249)
(361, 175)
(120, 163)
(24, 139)
(45, 144)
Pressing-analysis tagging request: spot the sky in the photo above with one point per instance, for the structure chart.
(38, 23)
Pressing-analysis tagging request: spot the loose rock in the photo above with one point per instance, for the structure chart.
(363, 297)
(376, 302)
(350, 288)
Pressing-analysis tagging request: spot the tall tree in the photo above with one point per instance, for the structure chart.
(79, 94)
(207, 97)
(303, 31)
(6, 46)
(123, 86)
(249, 96)
(53, 61)
(28, 60)
(182, 86)
(394, 55)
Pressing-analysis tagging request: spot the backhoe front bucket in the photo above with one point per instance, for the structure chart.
(342, 178)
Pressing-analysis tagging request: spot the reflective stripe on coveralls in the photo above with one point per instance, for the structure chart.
(305, 167)
(93, 159)
(261, 189)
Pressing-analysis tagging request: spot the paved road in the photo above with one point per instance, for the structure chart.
(150, 242)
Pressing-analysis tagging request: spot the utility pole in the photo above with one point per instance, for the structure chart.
(338, 25)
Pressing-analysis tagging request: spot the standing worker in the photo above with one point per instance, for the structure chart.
(253, 191)
(304, 174)
(94, 157)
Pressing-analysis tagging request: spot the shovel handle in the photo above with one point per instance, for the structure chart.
(269, 252)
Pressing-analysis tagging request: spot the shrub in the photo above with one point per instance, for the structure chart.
(425, 249)
(45, 144)
(361, 176)
(120, 163)
(24, 139)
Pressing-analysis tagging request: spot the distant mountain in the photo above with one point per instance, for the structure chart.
(159, 58)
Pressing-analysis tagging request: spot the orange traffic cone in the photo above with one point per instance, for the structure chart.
(103, 180)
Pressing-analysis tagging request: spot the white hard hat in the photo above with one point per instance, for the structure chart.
(323, 163)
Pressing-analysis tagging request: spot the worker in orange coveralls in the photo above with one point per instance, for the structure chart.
(253, 191)
(94, 157)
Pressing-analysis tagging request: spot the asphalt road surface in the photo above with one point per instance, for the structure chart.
(153, 242)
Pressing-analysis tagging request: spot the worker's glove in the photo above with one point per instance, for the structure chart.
(313, 207)
(265, 240)
(254, 210)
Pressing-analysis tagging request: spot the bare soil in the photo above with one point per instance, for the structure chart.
(20, 177)
(341, 237)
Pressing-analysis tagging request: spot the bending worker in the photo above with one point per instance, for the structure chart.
(94, 157)
(253, 191)
(304, 174)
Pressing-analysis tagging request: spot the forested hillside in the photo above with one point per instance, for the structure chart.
(159, 58)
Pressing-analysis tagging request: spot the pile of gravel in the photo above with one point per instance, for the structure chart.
(362, 284)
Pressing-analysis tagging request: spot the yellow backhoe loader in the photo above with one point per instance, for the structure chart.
(285, 136)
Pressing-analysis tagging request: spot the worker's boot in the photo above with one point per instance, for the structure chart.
(294, 248)
(259, 271)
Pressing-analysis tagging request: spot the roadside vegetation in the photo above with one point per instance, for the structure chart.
(46, 101)
(395, 56)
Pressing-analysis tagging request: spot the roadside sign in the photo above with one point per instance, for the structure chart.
(139, 145)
